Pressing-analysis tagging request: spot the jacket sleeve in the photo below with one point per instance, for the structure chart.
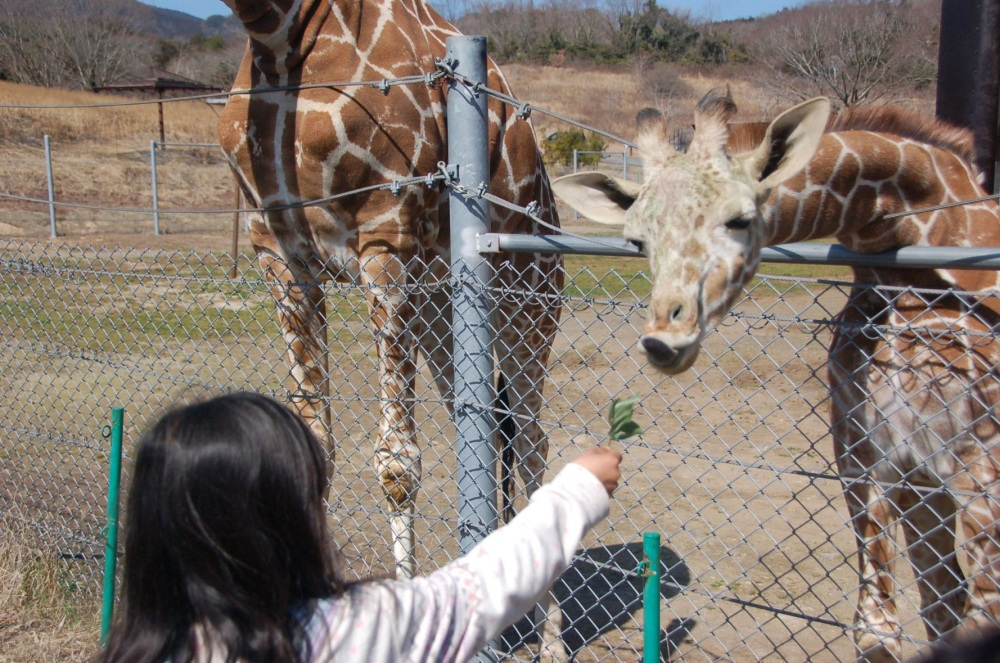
(515, 565)
(452, 613)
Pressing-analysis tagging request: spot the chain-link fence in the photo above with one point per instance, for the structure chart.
(735, 468)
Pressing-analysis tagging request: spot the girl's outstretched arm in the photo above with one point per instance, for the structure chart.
(451, 614)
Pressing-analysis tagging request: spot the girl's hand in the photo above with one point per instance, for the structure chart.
(603, 463)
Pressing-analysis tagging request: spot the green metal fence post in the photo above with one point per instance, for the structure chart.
(111, 534)
(651, 597)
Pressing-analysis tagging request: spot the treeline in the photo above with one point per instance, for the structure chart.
(86, 44)
(854, 51)
(598, 33)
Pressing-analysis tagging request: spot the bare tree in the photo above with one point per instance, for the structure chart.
(24, 55)
(581, 21)
(74, 43)
(510, 26)
(101, 41)
(214, 60)
(849, 50)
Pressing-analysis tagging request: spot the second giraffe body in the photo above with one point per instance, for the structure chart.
(913, 380)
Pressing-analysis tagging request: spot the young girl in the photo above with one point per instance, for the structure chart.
(227, 555)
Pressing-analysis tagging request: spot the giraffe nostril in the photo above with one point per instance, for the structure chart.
(677, 313)
(658, 351)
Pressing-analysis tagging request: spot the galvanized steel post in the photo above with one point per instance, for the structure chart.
(474, 391)
(48, 175)
(156, 195)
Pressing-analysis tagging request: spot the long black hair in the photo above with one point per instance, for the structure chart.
(226, 535)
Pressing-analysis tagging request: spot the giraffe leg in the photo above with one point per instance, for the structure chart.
(301, 309)
(525, 335)
(980, 519)
(929, 526)
(397, 458)
(878, 632)
(433, 335)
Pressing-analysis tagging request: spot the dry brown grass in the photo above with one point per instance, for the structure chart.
(189, 121)
(101, 156)
(41, 619)
(609, 98)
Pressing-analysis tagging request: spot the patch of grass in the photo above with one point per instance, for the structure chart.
(43, 617)
(832, 272)
(606, 277)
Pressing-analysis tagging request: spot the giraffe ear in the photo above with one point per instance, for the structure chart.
(597, 196)
(790, 143)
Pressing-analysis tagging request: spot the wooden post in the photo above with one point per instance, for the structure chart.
(163, 134)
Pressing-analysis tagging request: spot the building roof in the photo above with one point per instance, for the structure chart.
(159, 84)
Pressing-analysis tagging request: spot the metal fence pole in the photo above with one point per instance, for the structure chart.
(111, 535)
(52, 199)
(237, 204)
(651, 597)
(156, 196)
(475, 422)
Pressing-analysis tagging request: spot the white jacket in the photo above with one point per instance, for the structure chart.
(452, 613)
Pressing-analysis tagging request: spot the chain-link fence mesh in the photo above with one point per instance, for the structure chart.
(735, 468)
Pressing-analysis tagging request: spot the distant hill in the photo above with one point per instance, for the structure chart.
(171, 24)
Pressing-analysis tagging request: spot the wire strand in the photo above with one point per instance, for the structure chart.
(382, 84)
(393, 186)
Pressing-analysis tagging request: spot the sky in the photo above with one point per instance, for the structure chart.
(718, 10)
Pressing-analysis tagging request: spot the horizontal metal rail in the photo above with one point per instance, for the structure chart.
(941, 257)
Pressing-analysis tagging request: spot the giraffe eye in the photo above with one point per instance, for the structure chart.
(739, 223)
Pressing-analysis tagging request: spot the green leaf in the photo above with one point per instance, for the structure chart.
(620, 419)
(628, 430)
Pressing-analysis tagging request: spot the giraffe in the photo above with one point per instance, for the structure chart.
(300, 144)
(912, 377)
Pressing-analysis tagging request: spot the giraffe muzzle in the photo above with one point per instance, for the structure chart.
(667, 358)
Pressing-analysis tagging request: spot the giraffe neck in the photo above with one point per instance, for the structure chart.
(859, 177)
(284, 32)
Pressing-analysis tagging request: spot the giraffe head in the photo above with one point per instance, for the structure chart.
(697, 216)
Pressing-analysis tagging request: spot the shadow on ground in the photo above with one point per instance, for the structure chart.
(601, 592)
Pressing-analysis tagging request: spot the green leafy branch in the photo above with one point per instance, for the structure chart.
(620, 419)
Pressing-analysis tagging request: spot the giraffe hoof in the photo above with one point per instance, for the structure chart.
(875, 649)
(400, 487)
(550, 657)
(552, 652)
